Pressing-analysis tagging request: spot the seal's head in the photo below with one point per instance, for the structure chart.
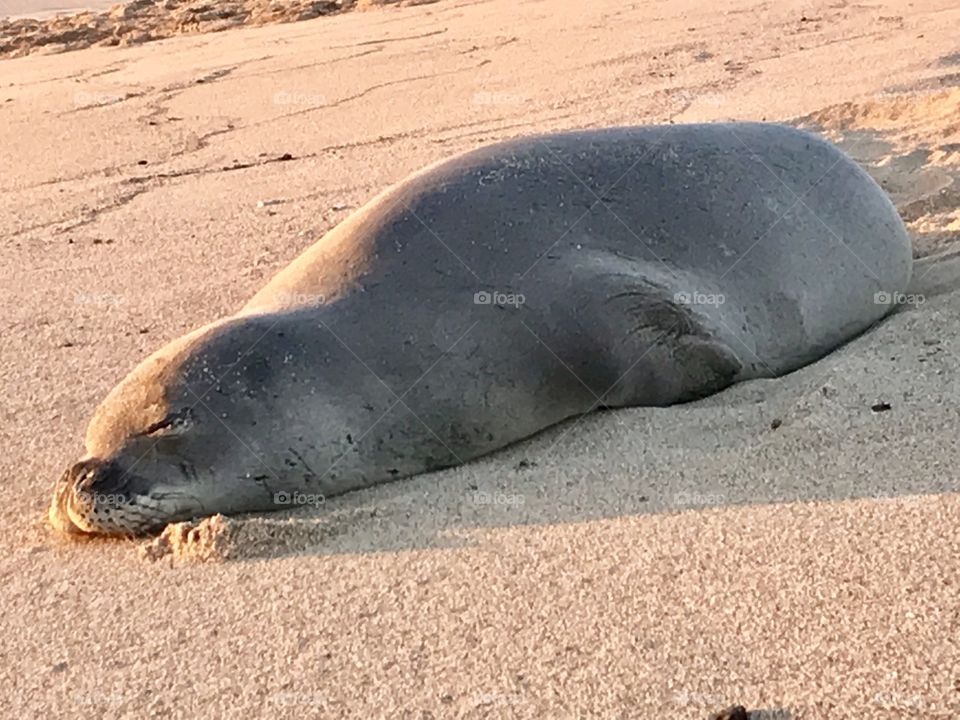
(145, 483)
(158, 447)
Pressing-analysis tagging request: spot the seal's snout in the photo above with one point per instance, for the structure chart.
(58, 514)
(86, 496)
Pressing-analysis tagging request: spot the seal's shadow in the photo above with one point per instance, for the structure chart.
(821, 433)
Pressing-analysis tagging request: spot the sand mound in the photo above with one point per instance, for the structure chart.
(200, 541)
(909, 118)
(144, 20)
(219, 538)
(910, 144)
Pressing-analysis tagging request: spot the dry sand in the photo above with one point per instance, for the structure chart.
(780, 545)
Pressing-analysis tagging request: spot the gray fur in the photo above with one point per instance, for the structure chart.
(367, 359)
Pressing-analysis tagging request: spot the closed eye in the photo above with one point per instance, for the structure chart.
(172, 425)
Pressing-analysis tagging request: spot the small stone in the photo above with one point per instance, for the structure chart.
(775, 423)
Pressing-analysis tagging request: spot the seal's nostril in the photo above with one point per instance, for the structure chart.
(103, 477)
(83, 472)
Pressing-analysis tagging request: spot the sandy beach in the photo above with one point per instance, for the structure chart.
(788, 545)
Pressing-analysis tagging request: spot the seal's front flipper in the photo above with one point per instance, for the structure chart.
(652, 344)
(668, 352)
(709, 365)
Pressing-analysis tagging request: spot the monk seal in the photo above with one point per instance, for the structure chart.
(490, 296)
